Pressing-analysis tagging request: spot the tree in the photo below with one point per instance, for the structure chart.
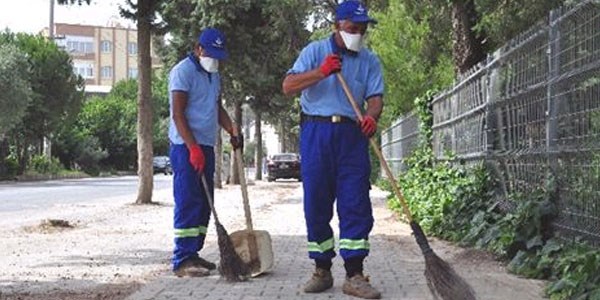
(15, 88)
(15, 95)
(57, 93)
(144, 13)
(401, 44)
(476, 27)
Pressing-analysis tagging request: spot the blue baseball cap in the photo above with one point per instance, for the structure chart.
(354, 11)
(213, 42)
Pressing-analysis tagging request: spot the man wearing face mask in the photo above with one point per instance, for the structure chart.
(334, 146)
(196, 111)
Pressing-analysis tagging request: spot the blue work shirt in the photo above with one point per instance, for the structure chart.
(202, 111)
(361, 70)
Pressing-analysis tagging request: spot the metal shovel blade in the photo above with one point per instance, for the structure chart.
(254, 248)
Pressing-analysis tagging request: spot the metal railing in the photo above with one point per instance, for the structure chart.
(531, 111)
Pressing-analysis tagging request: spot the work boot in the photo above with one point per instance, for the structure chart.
(320, 281)
(201, 262)
(359, 286)
(189, 268)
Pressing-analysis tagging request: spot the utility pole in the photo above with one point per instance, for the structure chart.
(51, 25)
(47, 143)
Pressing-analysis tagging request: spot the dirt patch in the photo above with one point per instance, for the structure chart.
(48, 226)
(102, 292)
(475, 256)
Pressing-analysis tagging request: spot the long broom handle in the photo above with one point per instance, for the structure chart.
(240, 165)
(386, 168)
(210, 198)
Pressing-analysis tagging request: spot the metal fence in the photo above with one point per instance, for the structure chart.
(399, 141)
(531, 111)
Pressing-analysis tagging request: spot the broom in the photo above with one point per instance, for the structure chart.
(231, 266)
(441, 278)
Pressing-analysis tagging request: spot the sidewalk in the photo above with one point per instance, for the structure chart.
(395, 263)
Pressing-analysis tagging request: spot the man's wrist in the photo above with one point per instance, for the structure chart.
(375, 118)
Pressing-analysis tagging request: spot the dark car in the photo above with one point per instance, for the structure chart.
(162, 164)
(284, 165)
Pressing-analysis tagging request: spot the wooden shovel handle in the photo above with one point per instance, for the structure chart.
(386, 168)
(240, 165)
(210, 198)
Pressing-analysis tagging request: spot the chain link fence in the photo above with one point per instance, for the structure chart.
(531, 112)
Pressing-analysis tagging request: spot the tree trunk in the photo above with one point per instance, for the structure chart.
(3, 154)
(282, 137)
(467, 49)
(144, 122)
(237, 115)
(259, 148)
(22, 153)
(219, 160)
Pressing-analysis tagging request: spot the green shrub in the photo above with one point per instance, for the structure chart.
(43, 165)
(458, 204)
(12, 166)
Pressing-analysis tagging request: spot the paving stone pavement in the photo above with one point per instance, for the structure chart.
(395, 264)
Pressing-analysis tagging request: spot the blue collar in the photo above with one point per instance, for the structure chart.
(338, 50)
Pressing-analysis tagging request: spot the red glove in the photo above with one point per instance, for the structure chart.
(331, 64)
(196, 158)
(368, 125)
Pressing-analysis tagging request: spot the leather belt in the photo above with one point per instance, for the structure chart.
(326, 119)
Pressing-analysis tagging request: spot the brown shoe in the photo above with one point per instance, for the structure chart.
(189, 268)
(320, 281)
(201, 262)
(359, 286)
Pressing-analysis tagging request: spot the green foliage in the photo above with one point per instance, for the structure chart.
(15, 88)
(11, 167)
(459, 204)
(112, 121)
(401, 43)
(44, 165)
(57, 91)
(51, 94)
(430, 188)
(503, 20)
(77, 148)
(104, 134)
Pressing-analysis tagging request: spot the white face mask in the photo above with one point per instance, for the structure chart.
(209, 64)
(353, 41)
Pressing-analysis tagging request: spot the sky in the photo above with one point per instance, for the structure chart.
(32, 16)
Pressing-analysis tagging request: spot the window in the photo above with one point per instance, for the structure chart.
(106, 46)
(132, 48)
(107, 72)
(132, 73)
(84, 69)
(80, 44)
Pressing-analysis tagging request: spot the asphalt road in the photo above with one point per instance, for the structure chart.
(37, 195)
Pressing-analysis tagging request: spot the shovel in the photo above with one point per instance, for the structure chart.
(253, 246)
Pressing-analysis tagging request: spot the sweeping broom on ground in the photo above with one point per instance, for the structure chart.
(231, 266)
(441, 278)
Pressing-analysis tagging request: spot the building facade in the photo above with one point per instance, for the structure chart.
(101, 55)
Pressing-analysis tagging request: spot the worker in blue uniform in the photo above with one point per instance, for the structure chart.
(334, 146)
(195, 113)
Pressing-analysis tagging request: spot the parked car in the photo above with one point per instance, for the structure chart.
(284, 165)
(162, 164)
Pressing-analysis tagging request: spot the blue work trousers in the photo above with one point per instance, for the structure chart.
(192, 211)
(336, 166)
